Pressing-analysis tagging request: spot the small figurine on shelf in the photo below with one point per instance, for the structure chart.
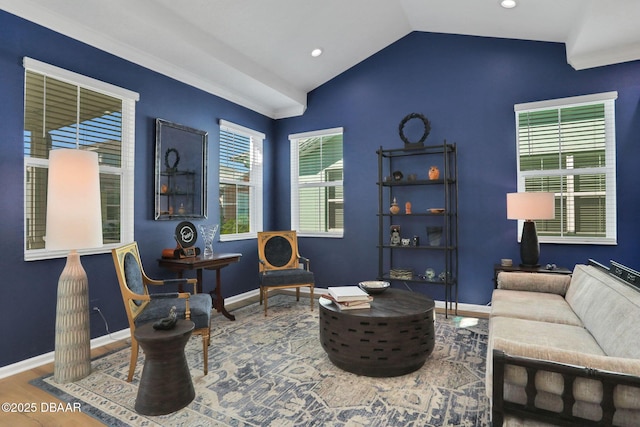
(394, 209)
(434, 172)
(407, 208)
(395, 235)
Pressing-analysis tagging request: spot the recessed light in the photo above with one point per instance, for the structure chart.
(508, 4)
(316, 52)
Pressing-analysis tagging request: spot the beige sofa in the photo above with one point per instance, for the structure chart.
(565, 350)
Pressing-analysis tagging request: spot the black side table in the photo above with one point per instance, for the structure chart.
(165, 385)
(497, 268)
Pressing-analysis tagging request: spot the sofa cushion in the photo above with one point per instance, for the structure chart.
(538, 306)
(608, 308)
(551, 283)
(553, 335)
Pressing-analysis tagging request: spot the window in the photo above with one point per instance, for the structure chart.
(317, 201)
(567, 146)
(67, 110)
(240, 181)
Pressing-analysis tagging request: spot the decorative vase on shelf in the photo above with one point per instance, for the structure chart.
(407, 208)
(434, 172)
(394, 209)
(435, 235)
(208, 233)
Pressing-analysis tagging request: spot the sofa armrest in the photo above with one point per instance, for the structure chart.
(534, 282)
(616, 381)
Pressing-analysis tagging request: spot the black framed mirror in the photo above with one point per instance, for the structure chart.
(180, 172)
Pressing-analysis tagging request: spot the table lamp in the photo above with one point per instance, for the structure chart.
(529, 207)
(74, 221)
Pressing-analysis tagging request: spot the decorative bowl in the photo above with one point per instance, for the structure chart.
(373, 287)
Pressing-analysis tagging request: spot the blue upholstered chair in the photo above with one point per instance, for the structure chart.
(281, 266)
(144, 307)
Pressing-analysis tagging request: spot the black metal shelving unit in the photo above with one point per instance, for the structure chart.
(425, 195)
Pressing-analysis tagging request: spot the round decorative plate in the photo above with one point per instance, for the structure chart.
(186, 234)
(374, 286)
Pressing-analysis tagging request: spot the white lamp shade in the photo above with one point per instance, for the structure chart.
(530, 206)
(74, 216)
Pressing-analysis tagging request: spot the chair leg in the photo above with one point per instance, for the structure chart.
(261, 294)
(266, 298)
(205, 352)
(311, 292)
(134, 358)
(298, 293)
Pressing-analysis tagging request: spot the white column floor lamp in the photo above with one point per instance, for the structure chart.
(74, 221)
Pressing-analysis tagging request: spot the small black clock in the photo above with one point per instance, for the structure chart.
(186, 236)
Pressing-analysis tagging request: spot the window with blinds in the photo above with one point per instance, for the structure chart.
(317, 205)
(567, 147)
(240, 181)
(67, 110)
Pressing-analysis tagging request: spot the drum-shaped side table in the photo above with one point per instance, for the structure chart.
(393, 337)
(165, 385)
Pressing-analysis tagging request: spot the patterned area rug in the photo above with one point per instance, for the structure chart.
(273, 372)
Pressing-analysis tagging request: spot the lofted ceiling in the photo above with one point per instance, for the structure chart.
(256, 53)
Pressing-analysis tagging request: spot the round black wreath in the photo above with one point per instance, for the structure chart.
(425, 122)
(166, 159)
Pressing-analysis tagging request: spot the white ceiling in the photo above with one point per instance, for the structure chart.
(256, 53)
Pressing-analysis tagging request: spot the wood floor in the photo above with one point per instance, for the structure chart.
(41, 406)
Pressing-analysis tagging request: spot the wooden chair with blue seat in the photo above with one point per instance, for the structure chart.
(144, 307)
(281, 266)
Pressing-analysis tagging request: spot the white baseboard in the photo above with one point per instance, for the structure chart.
(237, 300)
(43, 359)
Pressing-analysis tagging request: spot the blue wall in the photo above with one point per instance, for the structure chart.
(28, 290)
(466, 86)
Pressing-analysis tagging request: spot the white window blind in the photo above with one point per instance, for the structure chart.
(567, 146)
(240, 181)
(317, 200)
(67, 110)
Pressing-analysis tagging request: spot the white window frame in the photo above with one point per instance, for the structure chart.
(608, 100)
(126, 171)
(295, 184)
(255, 184)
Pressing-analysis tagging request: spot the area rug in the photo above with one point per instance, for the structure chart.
(273, 372)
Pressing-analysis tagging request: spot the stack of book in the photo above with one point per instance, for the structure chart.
(349, 297)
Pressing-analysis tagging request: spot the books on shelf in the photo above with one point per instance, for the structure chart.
(349, 297)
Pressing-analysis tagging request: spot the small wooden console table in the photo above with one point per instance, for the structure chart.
(215, 262)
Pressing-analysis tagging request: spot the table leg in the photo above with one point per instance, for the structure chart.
(179, 274)
(218, 301)
(199, 278)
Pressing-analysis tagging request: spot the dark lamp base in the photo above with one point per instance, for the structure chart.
(529, 247)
